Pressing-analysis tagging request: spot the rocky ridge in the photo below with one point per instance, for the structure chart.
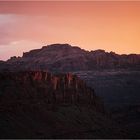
(64, 57)
(51, 89)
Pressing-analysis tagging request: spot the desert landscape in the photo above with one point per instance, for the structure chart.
(69, 69)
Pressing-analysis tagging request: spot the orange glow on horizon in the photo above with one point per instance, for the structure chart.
(112, 26)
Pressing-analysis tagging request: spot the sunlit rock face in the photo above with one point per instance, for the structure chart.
(51, 89)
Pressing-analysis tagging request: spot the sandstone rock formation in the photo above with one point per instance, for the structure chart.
(52, 89)
(36, 104)
(64, 57)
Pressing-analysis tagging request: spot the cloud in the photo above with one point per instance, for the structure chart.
(88, 24)
(21, 27)
(7, 23)
(17, 48)
(19, 33)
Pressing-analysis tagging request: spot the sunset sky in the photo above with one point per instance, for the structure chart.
(112, 26)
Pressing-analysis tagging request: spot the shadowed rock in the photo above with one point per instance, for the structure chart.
(53, 89)
(64, 57)
(36, 104)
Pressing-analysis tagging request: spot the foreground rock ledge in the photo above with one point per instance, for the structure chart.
(38, 104)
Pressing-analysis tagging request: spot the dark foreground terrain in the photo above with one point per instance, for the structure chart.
(120, 91)
(36, 104)
(42, 105)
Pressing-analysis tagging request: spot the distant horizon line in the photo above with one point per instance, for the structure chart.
(70, 46)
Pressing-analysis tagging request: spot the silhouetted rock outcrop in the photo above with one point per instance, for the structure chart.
(64, 57)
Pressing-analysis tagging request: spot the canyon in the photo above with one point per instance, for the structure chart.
(63, 91)
(37, 104)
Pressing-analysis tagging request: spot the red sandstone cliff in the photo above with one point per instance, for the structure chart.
(43, 86)
(39, 104)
